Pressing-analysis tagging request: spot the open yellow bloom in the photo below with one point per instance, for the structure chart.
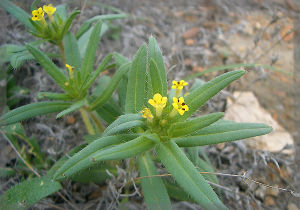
(179, 84)
(179, 105)
(147, 114)
(158, 102)
(37, 14)
(71, 70)
(49, 9)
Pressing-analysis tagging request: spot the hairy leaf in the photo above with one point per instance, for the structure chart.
(187, 176)
(155, 54)
(191, 126)
(154, 190)
(102, 149)
(136, 82)
(225, 131)
(32, 110)
(205, 92)
(29, 192)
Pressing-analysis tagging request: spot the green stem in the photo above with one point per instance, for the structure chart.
(87, 121)
(62, 51)
(97, 121)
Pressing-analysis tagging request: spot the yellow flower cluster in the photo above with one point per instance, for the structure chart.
(178, 85)
(38, 14)
(179, 105)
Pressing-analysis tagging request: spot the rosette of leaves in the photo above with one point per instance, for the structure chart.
(163, 136)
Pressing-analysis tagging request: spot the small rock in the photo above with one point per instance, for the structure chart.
(220, 146)
(71, 120)
(292, 206)
(191, 33)
(246, 108)
(269, 201)
(273, 191)
(260, 193)
(189, 42)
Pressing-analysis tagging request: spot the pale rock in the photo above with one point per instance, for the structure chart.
(292, 206)
(245, 108)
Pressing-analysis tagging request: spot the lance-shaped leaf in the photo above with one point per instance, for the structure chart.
(102, 149)
(72, 108)
(68, 24)
(32, 110)
(102, 67)
(48, 65)
(155, 54)
(191, 126)
(96, 174)
(56, 96)
(87, 24)
(72, 53)
(187, 176)
(107, 93)
(202, 94)
(155, 77)
(202, 165)
(90, 53)
(121, 120)
(155, 192)
(17, 12)
(176, 192)
(136, 82)
(225, 131)
(29, 192)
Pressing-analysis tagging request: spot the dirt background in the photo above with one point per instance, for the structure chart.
(193, 36)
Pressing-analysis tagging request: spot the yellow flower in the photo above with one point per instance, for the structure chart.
(37, 14)
(147, 114)
(71, 70)
(179, 84)
(179, 105)
(49, 9)
(158, 102)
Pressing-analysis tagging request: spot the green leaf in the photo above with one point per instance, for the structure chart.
(68, 24)
(72, 53)
(87, 24)
(176, 192)
(48, 65)
(56, 96)
(155, 193)
(205, 92)
(29, 192)
(6, 172)
(96, 174)
(191, 126)
(136, 82)
(101, 149)
(119, 59)
(123, 119)
(225, 131)
(102, 67)
(202, 165)
(155, 54)
(105, 96)
(32, 110)
(17, 12)
(155, 78)
(60, 14)
(34, 4)
(72, 108)
(187, 176)
(84, 39)
(90, 53)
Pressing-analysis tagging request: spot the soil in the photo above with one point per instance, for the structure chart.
(193, 35)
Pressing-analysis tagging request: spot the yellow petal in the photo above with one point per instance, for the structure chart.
(180, 111)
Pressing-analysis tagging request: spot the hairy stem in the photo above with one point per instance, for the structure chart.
(87, 121)
(62, 52)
